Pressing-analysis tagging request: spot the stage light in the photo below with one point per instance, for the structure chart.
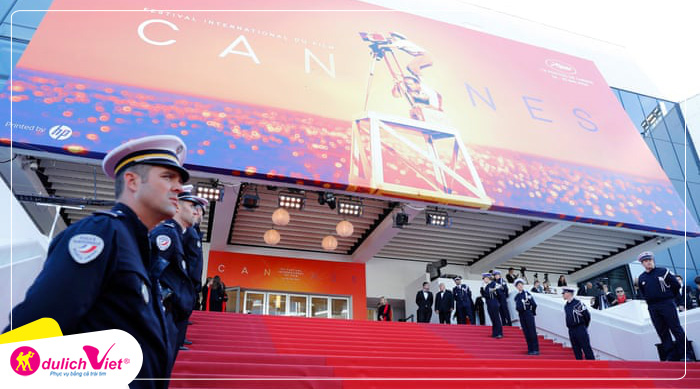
(251, 200)
(437, 218)
(291, 200)
(400, 219)
(350, 207)
(210, 191)
(327, 198)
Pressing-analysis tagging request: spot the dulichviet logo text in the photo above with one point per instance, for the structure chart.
(25, 361)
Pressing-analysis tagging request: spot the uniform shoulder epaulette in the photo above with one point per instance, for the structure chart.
(168, 224)
(109, 213)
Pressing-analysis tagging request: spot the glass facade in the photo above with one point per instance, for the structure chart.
(662, 126)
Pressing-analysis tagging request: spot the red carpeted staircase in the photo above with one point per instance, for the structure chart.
(251, 351)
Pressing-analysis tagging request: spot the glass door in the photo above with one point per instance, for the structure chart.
(276, 304)
(297, 305)
(339, 308)
(254, 303)
(319, 306)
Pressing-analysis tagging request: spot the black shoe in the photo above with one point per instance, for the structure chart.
(183, 348)
(498, 336)
(189, 323)
(187, 342)
(533, 353)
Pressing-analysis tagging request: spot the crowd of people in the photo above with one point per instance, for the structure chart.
(664, 293)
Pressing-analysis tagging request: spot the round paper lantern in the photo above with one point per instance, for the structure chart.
(329, 243)
(344, 228)
(272, 237)
(280, 217)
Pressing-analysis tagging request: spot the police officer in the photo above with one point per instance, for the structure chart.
(193, 244)
(463, 302)
(96, 275)
(658, 286)
(175, 278)
(526, 306)
(489, 291)
(577, 320)
(502, 298)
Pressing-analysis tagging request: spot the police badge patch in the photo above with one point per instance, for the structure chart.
(163, 242)
(83, 248)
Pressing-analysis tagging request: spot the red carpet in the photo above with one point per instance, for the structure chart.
(251, 351)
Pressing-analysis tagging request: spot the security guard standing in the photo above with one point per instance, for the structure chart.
(658, 286)
(502, 298)
(96, 275)
(463, 302)
(193, 245)
(489, 291)
(175, 279)
(577, 320)
(527, 309)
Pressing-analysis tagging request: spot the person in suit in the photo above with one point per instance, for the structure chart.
(605, 298)
(526, 306)
(585, 290)
(443, 304)
(479, 312)
(464, 309)
(424, 301)
(684, 299)
(489, 291)
(511, 276)
(383, 310)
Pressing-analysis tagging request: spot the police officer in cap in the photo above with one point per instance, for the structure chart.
(527, 309)
(502, 298)
(577, 320)
(179, 293)
(463, 302)
(192, 243)
(96, 275)
(658, 286)
(489, 291)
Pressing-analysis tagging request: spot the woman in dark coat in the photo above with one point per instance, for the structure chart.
(217, 295)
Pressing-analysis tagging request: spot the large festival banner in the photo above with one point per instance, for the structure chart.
(355, 98)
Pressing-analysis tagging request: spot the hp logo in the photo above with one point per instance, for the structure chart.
(60, 132)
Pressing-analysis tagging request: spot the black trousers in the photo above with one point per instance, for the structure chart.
(527, 323)
(664, 317)
(461, 314)
(503, 311)
(424, 315)
(581, 342)
(445, 317)
(493, 307)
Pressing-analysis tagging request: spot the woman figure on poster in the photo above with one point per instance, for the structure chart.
(384, 310)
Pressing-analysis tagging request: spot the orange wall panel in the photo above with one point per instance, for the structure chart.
(264, 272)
